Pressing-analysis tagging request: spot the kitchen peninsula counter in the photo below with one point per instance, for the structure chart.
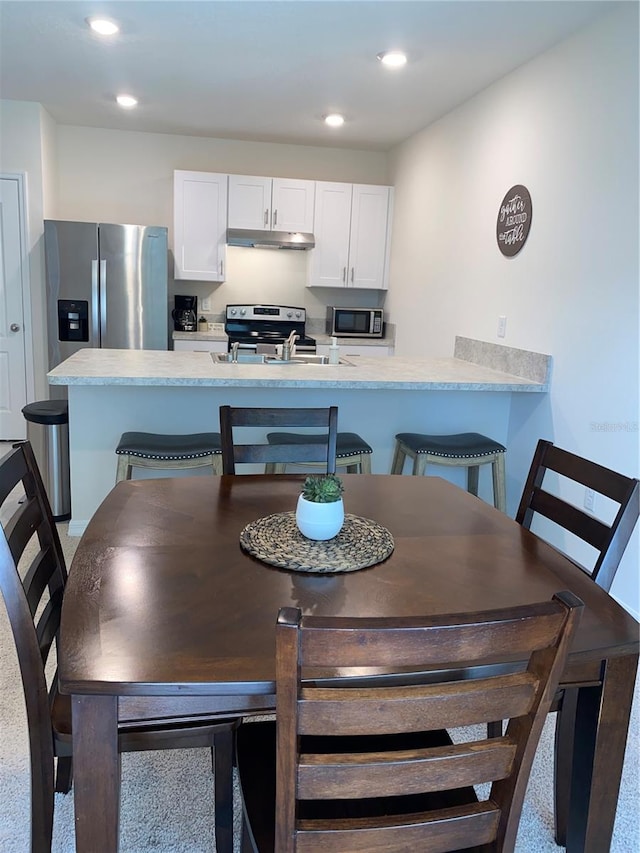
(115, 391)
(149, 367)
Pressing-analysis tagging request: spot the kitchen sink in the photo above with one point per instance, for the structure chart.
(242, 357)
(260, 358)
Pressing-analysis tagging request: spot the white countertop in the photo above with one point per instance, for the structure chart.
(112, 367)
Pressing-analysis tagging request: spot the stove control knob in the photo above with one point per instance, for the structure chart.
(232, 311)
(298, 315)
(243, 311)
(289, 314)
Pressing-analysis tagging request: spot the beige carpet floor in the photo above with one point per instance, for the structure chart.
(166, 798)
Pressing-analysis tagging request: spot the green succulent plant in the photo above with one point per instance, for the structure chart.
(322, 488)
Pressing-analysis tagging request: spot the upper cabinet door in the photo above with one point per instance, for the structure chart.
(199, 225)
(330, 258)
(292, 205)
(352, 228)
(270, 204)
(249, 202)
(369, 236)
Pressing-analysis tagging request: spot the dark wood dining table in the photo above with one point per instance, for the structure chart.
(165, 614)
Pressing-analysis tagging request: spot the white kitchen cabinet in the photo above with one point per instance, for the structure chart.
(200, 346)
(199, 225)
(352, 228)
(270, 204)
(347, 350)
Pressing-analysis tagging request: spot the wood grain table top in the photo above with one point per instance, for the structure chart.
(161, 599)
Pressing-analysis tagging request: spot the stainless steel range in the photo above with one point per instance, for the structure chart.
(251, 326)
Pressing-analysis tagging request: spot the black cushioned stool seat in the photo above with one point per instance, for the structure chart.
(156, 450)
(352, 451)
(466, 449)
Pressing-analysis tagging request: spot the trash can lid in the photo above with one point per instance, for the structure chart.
(47, 412)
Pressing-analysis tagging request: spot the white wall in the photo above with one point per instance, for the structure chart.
(566, 126)
(24, 146)
(116, 176)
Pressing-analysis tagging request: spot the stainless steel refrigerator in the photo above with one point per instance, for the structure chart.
(106, 287)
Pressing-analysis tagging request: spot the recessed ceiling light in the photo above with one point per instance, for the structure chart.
(127, 101)
(334, 120)
(392, 58)
(103, 26)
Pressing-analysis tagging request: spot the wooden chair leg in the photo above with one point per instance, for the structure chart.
(216, 464)
(494, 729)
(473, 472)
(64, 774)
(499, 483)
(365, 463)
(223, 790)
(246, 845)
(564, 740)
(419, 464)
(398, 459)
(123, 471)
(41, 803)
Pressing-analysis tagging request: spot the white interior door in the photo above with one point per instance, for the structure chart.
(13, 362)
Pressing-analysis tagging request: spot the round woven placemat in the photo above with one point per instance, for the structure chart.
(276, 540)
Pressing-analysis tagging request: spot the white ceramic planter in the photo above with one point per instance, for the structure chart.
(319, 521)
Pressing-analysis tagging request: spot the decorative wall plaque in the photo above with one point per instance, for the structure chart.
(514, 220)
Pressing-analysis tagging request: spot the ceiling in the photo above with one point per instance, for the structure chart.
(269, 70)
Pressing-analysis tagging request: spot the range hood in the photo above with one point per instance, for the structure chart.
(270, 239)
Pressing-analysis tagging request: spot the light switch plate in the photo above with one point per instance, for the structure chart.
(205, 303)
(502, 326)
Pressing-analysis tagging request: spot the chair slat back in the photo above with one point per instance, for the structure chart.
(234, 453)
(609, 540)
(33, 595)
(347, 741)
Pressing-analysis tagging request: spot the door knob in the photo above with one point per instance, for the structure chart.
(14, 327)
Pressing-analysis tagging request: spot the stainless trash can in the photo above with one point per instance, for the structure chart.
(48, 432)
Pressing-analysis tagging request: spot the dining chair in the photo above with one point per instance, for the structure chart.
(233, 453)
(32, 579)
(539, 497)
(357, 765)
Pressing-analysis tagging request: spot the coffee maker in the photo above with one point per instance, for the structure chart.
(185, 314)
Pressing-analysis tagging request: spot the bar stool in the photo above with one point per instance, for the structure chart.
(352, 451)
(467, 449)
(155, 450)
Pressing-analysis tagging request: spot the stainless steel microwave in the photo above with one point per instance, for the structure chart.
(355, 322)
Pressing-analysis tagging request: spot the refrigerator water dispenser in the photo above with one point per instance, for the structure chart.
(73, 320)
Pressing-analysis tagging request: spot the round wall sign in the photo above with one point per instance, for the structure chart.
(514, 220)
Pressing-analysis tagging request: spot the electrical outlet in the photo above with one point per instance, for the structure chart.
(502, 326)
(589, 499)
(205, 303)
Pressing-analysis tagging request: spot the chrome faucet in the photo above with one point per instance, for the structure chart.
(234, 352)
(288, 345)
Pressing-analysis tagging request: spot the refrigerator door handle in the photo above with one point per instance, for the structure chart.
(103, 301)
(95, 302)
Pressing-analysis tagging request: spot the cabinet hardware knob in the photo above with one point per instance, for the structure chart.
(14, 327)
